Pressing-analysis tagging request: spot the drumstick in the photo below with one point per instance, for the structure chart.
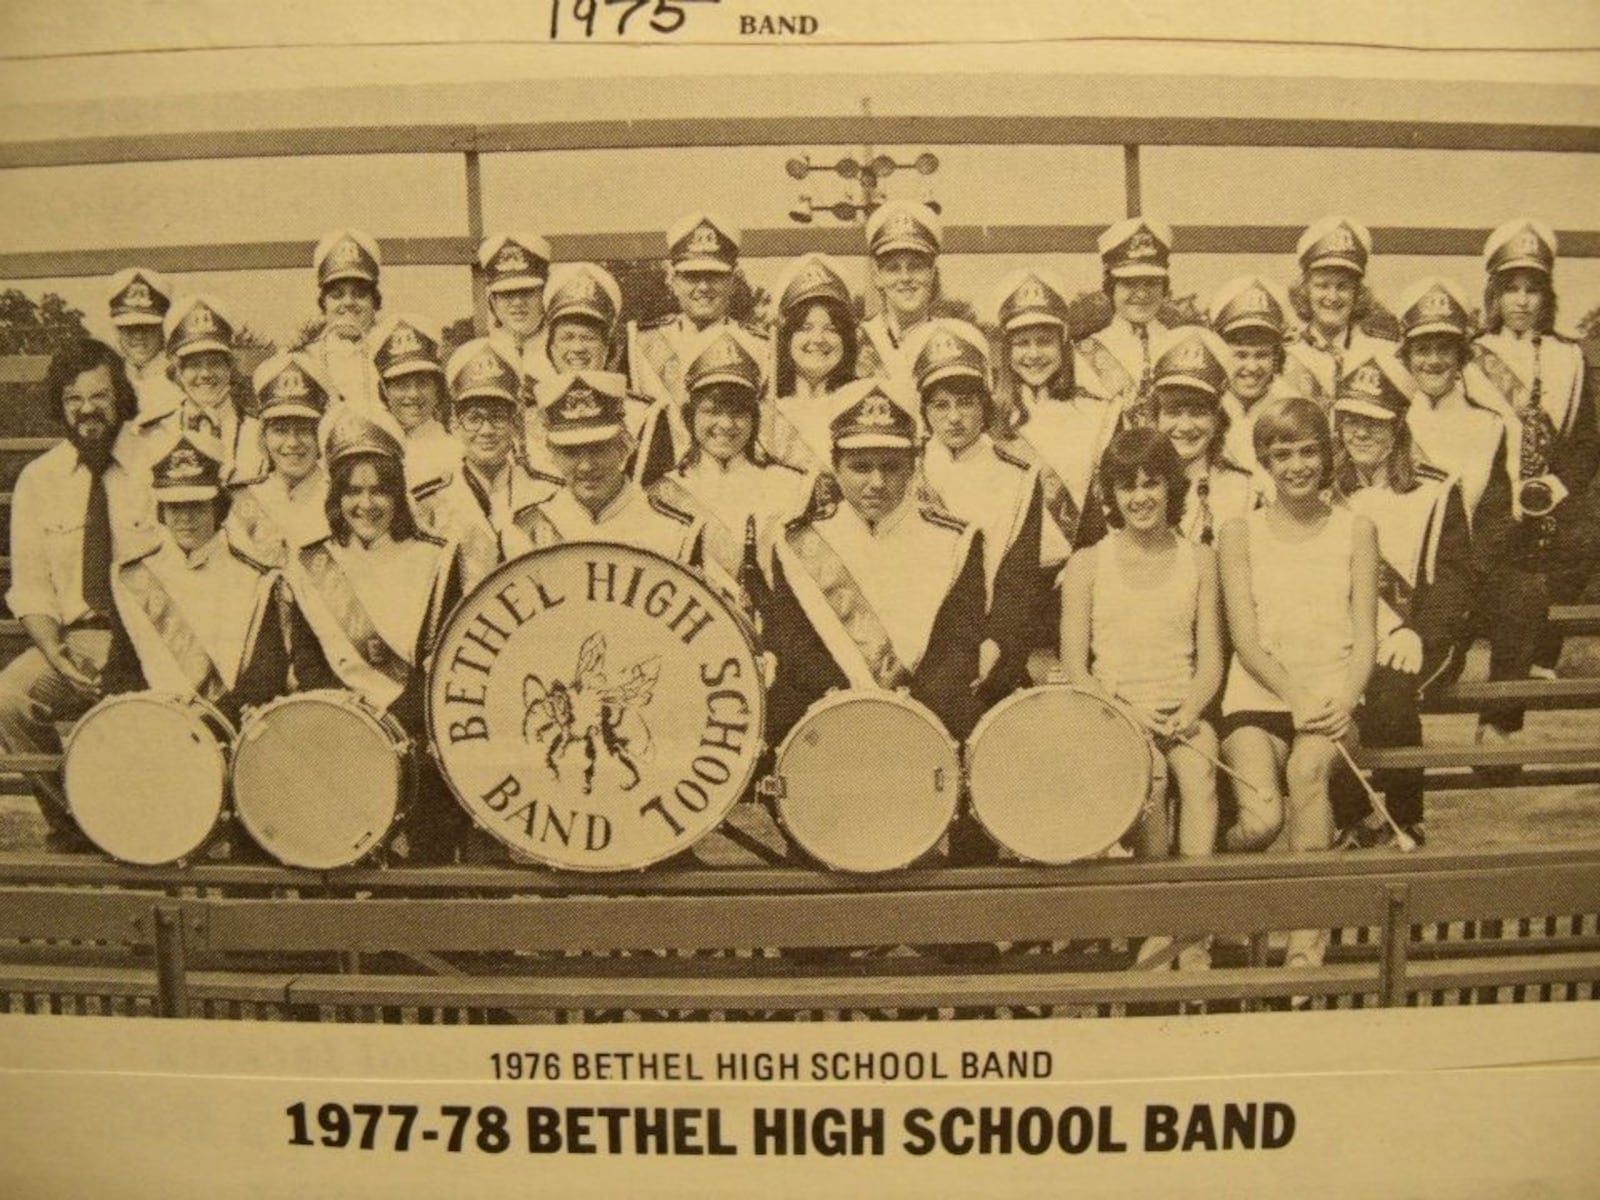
(1402, 839)
(1217, 763)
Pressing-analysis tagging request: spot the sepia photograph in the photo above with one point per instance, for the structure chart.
(968, 537)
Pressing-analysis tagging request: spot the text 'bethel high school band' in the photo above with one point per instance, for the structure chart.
(1261, 535)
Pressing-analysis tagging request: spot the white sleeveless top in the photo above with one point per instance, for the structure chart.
(1303, 610)
(1142, 638)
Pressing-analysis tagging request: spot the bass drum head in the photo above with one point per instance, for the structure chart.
(868, 782)
(318, 779)
(144, 776)
(1058, 774)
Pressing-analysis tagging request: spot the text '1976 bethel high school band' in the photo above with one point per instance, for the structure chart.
(1262, 537)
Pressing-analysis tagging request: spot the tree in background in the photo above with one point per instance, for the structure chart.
(28, 326)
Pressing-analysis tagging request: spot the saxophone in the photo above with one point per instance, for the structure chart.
(1538, 491)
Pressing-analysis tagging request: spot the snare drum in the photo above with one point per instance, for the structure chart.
(321, 779)
(866, 781)
(145, 775)
(1058, 774)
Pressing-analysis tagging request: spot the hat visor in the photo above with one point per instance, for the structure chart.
(589, 435)
(1031, 320)
(1333, 262)
(185, 495)
(874, 441)
(720, 266)
(890, 245)
(290, 410)
(954, 371)
(1139, 271)
(1189, 383)
(339, 273)
(582, 311)
(412, 368)
(485, 393)
(135, 318)
(1522, 264)
(797, 299)
(1365, 408)
(1428, 327)
(516, 283)
(200, 347)
(742, 382)
(1240, 324)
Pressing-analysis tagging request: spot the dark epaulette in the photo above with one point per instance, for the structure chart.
(1010, 459)
(431, 539)
(248, 559)
(546, 477)
(1225, 463)
(237, 484)
(636, 398)
(658, 322)
(430, 487)
(670, 510)
(755, 331)
(141, 555)
(1426, 470)
(938, 516)
(782, 464)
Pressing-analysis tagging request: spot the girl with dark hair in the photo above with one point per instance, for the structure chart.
(1424, 580)
(1300, 588)
(373, 594)
(817, 346)
(1141, 623)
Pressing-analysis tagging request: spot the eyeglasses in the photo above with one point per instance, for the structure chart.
(474, 419)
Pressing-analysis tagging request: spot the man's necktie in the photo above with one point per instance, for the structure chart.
(97, 547)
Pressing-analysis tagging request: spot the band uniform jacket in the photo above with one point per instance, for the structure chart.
(350, 375)
(158, 393)
(882, 353)
(633, 518)
(432, 454)
(244, 456)
(1064, 440)
(1116, 363)
(1312, 366)
(1567, 389)
(999, 493)
(795, 430)
(899, 606)
(369, 615)
(486, 522)
(724, 496)
(656, 356)
(270, 519)
(1425, 573)
(208, 624)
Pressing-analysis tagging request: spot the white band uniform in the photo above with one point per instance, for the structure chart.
(146, 774)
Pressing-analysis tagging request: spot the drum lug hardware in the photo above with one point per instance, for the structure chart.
(771, 788)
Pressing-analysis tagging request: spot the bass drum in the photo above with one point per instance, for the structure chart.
(321, 779)
(145, 775)
(866, 781)
(1059, 774)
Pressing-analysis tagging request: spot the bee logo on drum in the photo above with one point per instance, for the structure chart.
(586, 710)
(596, 707)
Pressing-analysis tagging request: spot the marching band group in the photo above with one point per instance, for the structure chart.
(1261, 535)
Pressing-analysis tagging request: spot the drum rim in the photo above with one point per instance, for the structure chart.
(1155, 772)
(758, 721)
(840, 698)
(349, 701)
(222, 747)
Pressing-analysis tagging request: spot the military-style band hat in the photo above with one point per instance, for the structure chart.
(478, 371)
(948, 349)
(139, 296)
(1191, 357)
(869, 414)
(703, 241)
(346, 254)
(406, 345)
(1434, 305)
(1522, 242)
(286, 385)
(582, 408)
(1335, 242)
(904, 225)
(1371, 389)
(812, 277)
(354, 434)
(1249, 303)
(1031, 296)
(1137, 248)
(724, 359)
(190, 471)
(514, 262)
(583, 290)
(196, 324)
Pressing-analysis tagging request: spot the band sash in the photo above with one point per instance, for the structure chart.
(339, 596)
(179, 637)
(843, 595)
